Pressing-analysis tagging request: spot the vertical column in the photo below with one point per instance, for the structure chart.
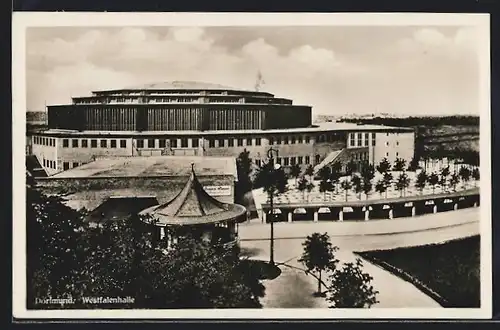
(391, 214)
(413, 211)
(162, 232)
(455, 207)
(475, 204)
(435, 209)
(290, 215)
(341, 215)
(367, 215)
(315, 216)
(264, 216)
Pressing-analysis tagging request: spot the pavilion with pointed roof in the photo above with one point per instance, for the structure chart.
(194, 212)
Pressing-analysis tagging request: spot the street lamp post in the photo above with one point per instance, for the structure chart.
(271, 197)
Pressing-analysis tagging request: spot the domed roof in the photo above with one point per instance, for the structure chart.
(192, 206)
(172, 85)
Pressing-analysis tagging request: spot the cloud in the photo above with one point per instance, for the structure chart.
(403, 74)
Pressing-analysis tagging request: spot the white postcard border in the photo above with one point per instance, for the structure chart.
(22, 20)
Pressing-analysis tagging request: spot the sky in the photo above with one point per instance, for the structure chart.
(420, 70)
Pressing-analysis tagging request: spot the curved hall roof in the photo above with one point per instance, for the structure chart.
(173, 85)
(193, 206)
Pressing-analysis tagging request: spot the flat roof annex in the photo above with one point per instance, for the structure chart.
(151, 166)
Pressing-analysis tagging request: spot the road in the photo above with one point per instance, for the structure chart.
(393, 291)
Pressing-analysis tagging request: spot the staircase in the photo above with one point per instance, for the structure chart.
(329, 159)
(34, 167)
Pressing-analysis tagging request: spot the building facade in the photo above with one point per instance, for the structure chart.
(197, 119)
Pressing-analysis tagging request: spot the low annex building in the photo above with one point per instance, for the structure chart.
(112, 186)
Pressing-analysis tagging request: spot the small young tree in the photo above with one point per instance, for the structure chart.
(350, 168)
(387, 181)
(421, 181)
(318, 255)
(346, 186)
(357, 185)
(324, 186)
(309, 188)
(402, 183)
(384, 166)
(302, 186)
(309, 172)
(351, 287)
(454, 180)
(443, 180)
(295, 172)
(464, 175)
(336, 174)
(367, 175)
(475, 176)
(367, 187)
(380, 187)
(399, 165)
(433, 180)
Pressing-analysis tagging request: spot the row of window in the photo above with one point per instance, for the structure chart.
(387, 154)
(290, 140)
(44, 141)
(49, 163)
(361, 139)
(94, 143)
(160, 100)
(221, 143)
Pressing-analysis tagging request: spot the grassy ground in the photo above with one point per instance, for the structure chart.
(448, 272)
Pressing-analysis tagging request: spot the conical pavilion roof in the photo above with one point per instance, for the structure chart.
(193, 205)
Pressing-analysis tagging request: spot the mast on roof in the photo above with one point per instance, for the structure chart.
(259, 82)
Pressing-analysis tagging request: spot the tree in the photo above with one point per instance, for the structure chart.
(367, 187)
(351, 287)
(244, 169)
(475, 175)
(402, 183)
(324, 186)
(384, 166)
(357, 185)
(387, 179)
(367, 174)
(309, 172)
(318, 255)
(454, 180)
(53, 253)
(302, 186)
(399, 165)
(413, 165)
(350, 168)
(421, 181)
(68, 258)
(274, 182)
(295, 172)
(464, 174)
(346, 186)
(380, 187)
(309, 188)
(445, 172)
(433, 180)
(335, 174)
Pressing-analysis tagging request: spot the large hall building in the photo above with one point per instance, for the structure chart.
(200, 119)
